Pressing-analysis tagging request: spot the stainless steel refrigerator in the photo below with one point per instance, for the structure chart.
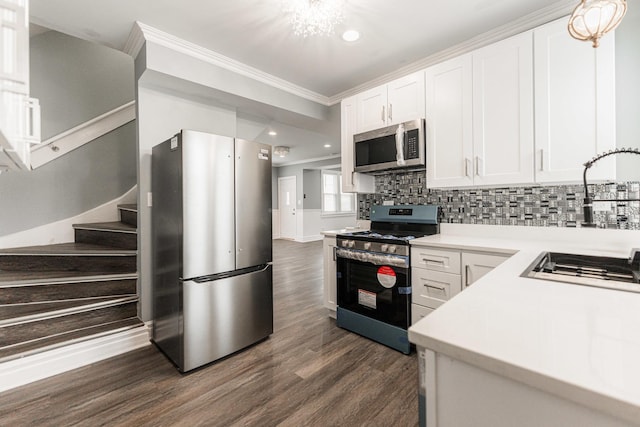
(212, 271)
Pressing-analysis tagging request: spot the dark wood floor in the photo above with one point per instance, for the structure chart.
(308, 373)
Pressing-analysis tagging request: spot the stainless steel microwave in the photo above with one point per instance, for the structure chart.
(392, 147)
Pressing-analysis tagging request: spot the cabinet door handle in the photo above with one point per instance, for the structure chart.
(390, 112)
(335, 250)
(467, 273)
(542, 160)
(436, 287)
(435, 261)
(466, 167)
(478, 160)
(382, 115)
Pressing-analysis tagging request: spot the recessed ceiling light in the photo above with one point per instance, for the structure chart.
(350, 35)
(327, 145)
(273, 133)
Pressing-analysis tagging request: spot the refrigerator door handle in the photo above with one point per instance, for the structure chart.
(227, 274)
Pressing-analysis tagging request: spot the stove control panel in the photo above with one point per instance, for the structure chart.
(369, 246)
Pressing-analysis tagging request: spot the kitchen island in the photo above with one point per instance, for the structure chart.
(510, 350)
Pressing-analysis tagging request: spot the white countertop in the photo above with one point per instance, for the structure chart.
(578, 342)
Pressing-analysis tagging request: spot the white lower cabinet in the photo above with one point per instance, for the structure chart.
(418, 312)
(437, 275)
(477, 265)
(329, 282)
(494, 400)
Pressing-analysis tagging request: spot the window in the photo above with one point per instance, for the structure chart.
(334, 201)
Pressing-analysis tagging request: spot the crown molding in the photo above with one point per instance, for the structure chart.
(527, 22)
(301, 162)
(141, 33)
(135, 41)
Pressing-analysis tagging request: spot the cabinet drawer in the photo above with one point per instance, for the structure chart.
(433, 288)
(418, 312)
(436, 259)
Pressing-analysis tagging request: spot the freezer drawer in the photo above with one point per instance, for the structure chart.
(223, 316)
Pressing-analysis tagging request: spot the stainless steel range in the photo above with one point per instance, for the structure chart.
(374, 273)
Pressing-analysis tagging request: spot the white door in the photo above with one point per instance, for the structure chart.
(372, 109)
(503, 112)
(405, 98)
(575, 105)
(287, 206)
(449, 123)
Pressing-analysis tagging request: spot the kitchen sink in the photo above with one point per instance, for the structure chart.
(602, 272)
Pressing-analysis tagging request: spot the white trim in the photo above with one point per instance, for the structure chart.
(316, 159)
(161, 38)
(141, 32)
(275, 223)
(135, 41)
(18, 372)
(298, 211)
(71, 139)
(527, 22)
(62, 231)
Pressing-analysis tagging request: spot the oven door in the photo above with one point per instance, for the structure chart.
(375, 285)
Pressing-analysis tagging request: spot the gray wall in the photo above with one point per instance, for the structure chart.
(628, 93)
(298, 171)
(85, 178)
(75, 81)
(311, 187)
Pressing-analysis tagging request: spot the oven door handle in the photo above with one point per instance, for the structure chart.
(373, 258)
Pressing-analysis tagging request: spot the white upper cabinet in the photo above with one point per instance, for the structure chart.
(575, 105)
(396, 102)
(449, 123)
(503, 112)
(352, 182)
(480, 116)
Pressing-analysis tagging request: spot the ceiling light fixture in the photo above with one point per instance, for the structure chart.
(327, 145)
(350, 35)
(592, 19)
(280, 151)
(314, 17)
(273, 133)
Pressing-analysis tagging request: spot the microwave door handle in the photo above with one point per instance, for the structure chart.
(400, 139)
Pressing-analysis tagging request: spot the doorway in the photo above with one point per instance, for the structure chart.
(287, 207)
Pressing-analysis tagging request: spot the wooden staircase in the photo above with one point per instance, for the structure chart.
(53, 295)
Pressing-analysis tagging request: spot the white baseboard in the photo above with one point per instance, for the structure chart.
(62, 231)
(16, 373)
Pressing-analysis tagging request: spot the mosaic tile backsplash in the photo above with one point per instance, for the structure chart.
(542, 206)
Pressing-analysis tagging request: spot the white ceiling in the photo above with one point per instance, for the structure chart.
(394, 34)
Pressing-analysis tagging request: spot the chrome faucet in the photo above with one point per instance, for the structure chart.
(587, 208)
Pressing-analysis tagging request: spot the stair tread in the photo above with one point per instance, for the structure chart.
(72, 337)
(18, 312)
(129, 207)
(115, 226)
(86, 249)
(24, 278)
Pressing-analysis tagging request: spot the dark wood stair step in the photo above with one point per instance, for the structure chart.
(16, 313)
(115, 234)
(129, 214)
(71, 337)
(23, 332)
(57, 289)
(69, 257)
